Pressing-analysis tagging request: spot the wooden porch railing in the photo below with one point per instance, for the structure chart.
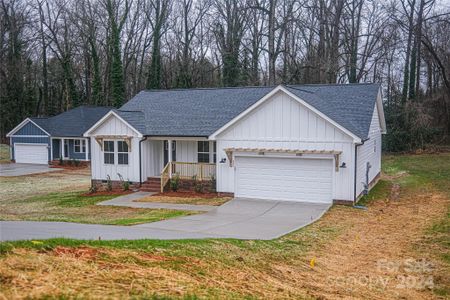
(187, 170)
(165, 176)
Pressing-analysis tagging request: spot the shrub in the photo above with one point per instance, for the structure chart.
(108, 183)
(198, 185)
(213, 183)
(61, 161)
(175, 182)
(125, 184)
(77, 163)
(93, 189)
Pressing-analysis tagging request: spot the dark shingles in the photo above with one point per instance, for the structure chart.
(200, 112)
(72, 123)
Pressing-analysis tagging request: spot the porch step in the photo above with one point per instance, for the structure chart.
(153, 184)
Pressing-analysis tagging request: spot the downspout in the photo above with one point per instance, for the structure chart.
(140, 160)
(356, 170)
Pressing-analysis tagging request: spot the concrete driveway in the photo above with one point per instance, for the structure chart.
(238, 218)
(8, 170)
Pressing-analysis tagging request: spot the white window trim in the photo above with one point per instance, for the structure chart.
(201, 152)
(82, 146)
(122, 152)
(113, 152)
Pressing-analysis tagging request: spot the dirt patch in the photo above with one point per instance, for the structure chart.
(79, 252)
(357, 263)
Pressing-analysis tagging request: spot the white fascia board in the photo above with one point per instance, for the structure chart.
(88, 132)
(213, 136)
(23, 123)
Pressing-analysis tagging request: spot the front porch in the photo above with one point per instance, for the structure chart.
(189, 159)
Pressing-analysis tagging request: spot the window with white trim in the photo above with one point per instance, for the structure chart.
(108, 152)
(203, 151)
(122, 153)
(79, 146)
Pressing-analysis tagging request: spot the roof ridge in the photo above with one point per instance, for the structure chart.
(210, 88)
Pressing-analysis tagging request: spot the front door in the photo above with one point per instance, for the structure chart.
(166, 152)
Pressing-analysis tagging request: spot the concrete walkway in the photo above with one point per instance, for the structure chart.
(130, 201)
(238, 218)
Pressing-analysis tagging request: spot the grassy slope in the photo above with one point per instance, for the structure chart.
(233, 268)
(73, 207)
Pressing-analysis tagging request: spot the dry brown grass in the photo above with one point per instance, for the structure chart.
(38, 184)
(186, 200)
(388, 230)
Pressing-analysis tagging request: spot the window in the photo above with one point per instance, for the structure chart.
(214, 151)
(108, 152)
(122, 153)
(203, 152)
(79, 146)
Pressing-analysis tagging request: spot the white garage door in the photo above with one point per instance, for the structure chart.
(291, 179)
(31, 153)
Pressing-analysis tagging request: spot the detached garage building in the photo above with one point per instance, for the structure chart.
(313, 143)
(40, 140)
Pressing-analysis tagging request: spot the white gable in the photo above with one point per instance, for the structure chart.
(112, 125)
(282, 118)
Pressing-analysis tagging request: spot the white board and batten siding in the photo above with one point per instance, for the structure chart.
(115, 127)
(282, 122)
(369, 152)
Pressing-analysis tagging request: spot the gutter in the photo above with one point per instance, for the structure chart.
(140, 159)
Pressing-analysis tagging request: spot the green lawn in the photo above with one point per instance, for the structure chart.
(74, 207)
(239, 269)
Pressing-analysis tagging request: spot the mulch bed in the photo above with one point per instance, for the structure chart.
(67, 167)
(188, 194)
(107, 193)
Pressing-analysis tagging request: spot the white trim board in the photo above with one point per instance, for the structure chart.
(23, 123)
(279, 88)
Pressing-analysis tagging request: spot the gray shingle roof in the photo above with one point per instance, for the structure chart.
(200, 112)
(72, 123)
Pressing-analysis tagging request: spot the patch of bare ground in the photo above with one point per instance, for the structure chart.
(372, 259)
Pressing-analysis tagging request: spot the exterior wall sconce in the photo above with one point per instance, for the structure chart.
(223, 160)
(343, 165)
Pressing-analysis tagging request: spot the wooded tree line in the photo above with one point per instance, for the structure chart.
(58, 54)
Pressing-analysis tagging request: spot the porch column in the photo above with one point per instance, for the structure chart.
(62, 150)
(87, 149)
(51, 149)
(169, 156)
(211, 152)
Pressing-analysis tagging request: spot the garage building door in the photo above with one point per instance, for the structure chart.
(31, 153)
(291, 179)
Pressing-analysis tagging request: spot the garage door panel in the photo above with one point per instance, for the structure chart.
(31, 153)
(292, 179)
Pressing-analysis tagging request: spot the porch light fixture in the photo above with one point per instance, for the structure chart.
(343, 165)
(223, 160)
